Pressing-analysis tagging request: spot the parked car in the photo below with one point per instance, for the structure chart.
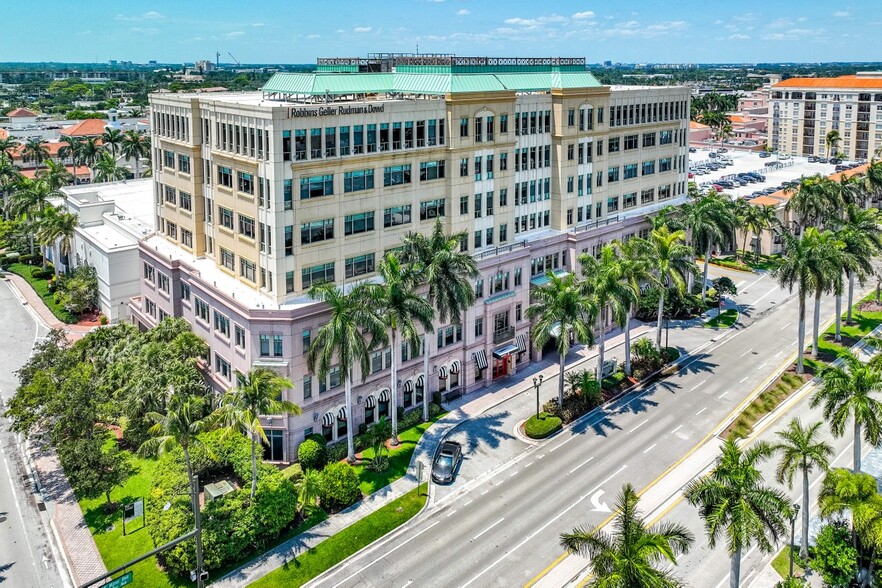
(812, 159)
(840, 168)
(764, 154)
(835, 160)
(446, 462)
(784, 156)
(692, 150)
(717, 187)
(823, 160)
(722, 150)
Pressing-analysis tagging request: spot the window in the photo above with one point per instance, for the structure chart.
(503, 197)
(649, 139)
(307, 387)
(647, 196)
(479, 288)
(489, 203)
(464, 127)
(355, 181)
(479, 210)
(289, 240)
(479, 129)
(571, 117)
(186, 201)
(240, 336)
(664, 164)
(330, 141)
(630, 142)
(449, 335)
(273, 449)
(612, 174)
(201, 309)
(629, 200)
(247, 270)
(396, 175)
(463, 205)
(289, 282)
(222, 323)
(431, 170)
(463, 167)
(245, 182)
(478, 168)
(228, 260)
(479, 327)
(479, 238)
(613, 145)
(612, 204)
(503, 161)
(648, 167)
(185, 291)
(224, 176)
(501, 323)
(317, 274)
(148, 272)
(287, 194)
(431, 209)
(226, 217)
(222, 367)
(397, 215)
(665, 137)
(168, 159)
(171, 195)
(360, 265)
(316, 186)
(271, 345)
(246, 226)
(630, 171)
(316, 231)
(499, 282)
(358, 223)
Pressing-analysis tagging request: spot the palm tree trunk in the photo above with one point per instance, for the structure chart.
(137, 167)
(851, 297)
(560, 379)
(803, 549)
(704, 277)
(253, 466)
(857, 446)
(838, 336)
(600, 345)
(816, 336)
(426, 375)
(350, 442)
(661, 310)
(735, 569)
(194, 499)
(744, 248)
(800, 344)
(628, 342)
(394, 387)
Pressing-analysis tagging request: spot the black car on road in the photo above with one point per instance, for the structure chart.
(446, 461)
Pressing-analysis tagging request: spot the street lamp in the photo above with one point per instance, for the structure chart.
(537, 382)
(199, 575)
(794, 514)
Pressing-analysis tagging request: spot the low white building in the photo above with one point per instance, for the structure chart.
(113, 217)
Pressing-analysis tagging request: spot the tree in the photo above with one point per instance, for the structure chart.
(630, 556)
(835, 558)
(604, 283)
(56, 175)
(448, 273)
(831, 140)
(310, 489)
(762, 218)
(108, 170)
(34, 151)
(858, 230)
(708, 220)
(670, 261)
(634, 272)
(79, 291)
(815, 200)
(828, 260)
(561, 310)
(848, 392)
(112, 139)
(737, 506)
(92, 470)
(801, 450)
(376, 436)
(56, 229)
(28, 202)
(259, 393)
(342, 338)
(71, 149)
(135, 146)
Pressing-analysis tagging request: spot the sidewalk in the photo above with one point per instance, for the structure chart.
(39, 310)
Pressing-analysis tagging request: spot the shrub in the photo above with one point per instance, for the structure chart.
(436, 398)
(311, 455)
(320, 439)
(336, 451)
(434, 409)
(339, 487)
(293, 472)
(645, 358)
(678, 305)
(835, 558)
(411, 418)
(724, 285)
(792, 582)
(103, 320)
(542, 427)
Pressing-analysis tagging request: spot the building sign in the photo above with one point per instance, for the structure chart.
(335, 110)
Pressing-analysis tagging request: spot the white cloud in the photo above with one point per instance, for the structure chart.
(738, 37)
(793, 35)
(841, 13)
(583, 15)
(313, 36)
(259, 24)
(234, 34)
(535, 22)
(150, 15)
(463, 12)
(145, 30)
(781, 23)
(362, 29)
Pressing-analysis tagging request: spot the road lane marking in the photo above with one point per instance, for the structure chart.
(772, 291)
(488, 528)
(746, 352)
(469, 502)
(581, 464)
(697, 385)
(648, 449)
(785, 326)
(513, 474)
(540, 456)
(528, 465)
(451, 513)
(701, 411)
(638, 426)
(397, 547)
(556, 447)
(485, 491)
(780, 353)
(723, 394)
(409, 582)
(741, 283)
(742, 380)
(677, 429)
(754, 282)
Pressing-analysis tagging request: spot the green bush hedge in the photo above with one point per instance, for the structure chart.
(542, 427)
(339, 487)
(312, 455)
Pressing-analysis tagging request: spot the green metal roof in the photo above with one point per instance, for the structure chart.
(437, 83)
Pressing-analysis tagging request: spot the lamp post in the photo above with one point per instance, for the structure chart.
(537, 382)
(199, 575)
(794, 514)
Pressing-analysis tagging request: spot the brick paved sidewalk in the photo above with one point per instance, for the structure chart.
(23, 291)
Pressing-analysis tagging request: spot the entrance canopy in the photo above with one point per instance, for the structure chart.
(503, 352)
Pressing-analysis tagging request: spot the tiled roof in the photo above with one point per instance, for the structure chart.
(81, 171)
(91, 127)
(21, 113)
(840, 82)
(764, 200)
(51, 147)
(784, 195)
(697, 125)
(4, 134)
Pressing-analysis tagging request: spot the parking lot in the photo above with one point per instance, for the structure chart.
(782, 171)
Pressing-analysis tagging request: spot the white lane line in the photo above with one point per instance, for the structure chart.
(742, 380)
(780, 353)
(746, 352)
(753, 282)
(409, 582)
(540, 456)
(581, 464)
(677, 429)
(540, 529)
(513, 474)
(723, 394)
(697, 385)
(701, 411)
(488, 528)
(764, 364)
(739, 284)
(650, 448)
(15, 501)
(556, 447)
(469, 502)
(528, 465)
(451, 513)
(485, 491)
(772, 291)
(640, 425)
(397, 547)
(785, 326)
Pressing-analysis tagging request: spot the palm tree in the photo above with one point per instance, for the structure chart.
(848, 391)
(761, 218)
(608, 290)
(56, 229)
(90, 151)
(801, 450)
(135, 146)
(858, 230)
(8, 145)
(28, 202)
(815, 200)
(634, 272)
(561, 310)
(670, 260)
(72, 148)
(56, 175)
(707, 221)
(259, 392)
(831, 140)
(448, 273)
(631, 554)
(35, 151)
(108, 170)
(344, 338)
(309, 489)
(111, 139)
(737, 506)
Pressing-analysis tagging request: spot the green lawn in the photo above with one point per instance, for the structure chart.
(42, 289)
(781, 563)
(724, 320)
(863, 323)
(338, 547)
(399, 459)
(766, 402)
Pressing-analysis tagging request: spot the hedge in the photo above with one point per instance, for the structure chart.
(542, 427)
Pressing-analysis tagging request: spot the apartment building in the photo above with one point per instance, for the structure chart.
(259, 196)
(805, 110)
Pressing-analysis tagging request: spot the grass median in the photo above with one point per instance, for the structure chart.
(339, 546)
(724, 320)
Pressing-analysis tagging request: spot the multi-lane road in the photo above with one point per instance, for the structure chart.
(503, 530)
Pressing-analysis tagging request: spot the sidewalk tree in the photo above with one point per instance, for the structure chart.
(827, 263)
(708, 221)
(449, 274)
(345, 341)
(670, 262)
(848, 393)
(858, 230)
(634, 272)
(802, 451)
(633, 553)
(560, 310)
(737, 506)
(259, 393)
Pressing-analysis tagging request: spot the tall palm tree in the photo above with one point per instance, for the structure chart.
(761, 218)
(35, 152)
(858, 230)
(90, 151)
(258, 393)
(343, 338)
(737, 506)
(831, 140)
(111, 139)
(815, 200)
(8, 145)
(28, 202)
(605, 284)
(801, 450)
(448, 273)
(671, 261)
(707, 221)
(561, 310)
(135, 146)
(72, 149)
(108, 170)
(848, 391)
(828, 263)
(630, 556)
(56, 175)
(635, 266)
(403, 311)
(56, 229)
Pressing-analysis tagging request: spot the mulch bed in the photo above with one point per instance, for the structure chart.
(869, 306)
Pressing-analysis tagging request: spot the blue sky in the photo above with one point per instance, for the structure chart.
(298, 31)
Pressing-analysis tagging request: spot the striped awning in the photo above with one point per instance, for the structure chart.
(455, 367)
(328, 419)
(522, 343)
(421, 381)
(370, 401)
(384, 395)
(442, 372)
(341, 413)
(481, 359)
(408, 386)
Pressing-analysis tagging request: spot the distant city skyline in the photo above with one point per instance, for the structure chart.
(273, 31)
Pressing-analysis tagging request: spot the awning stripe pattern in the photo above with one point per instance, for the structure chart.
(421, 381)
(442, 372)
(341, 413)
(481, 359)
(455, 367)
(370, 401)
(408, 386)
(328, 419)
(522, 343)
(384, 395)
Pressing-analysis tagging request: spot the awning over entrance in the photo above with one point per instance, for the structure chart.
(481, 359)
(503, 352)
(522, 343)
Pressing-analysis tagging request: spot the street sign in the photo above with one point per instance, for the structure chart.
(134, 510)
(123, 580)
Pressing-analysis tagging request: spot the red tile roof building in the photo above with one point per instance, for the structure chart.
(91, 127)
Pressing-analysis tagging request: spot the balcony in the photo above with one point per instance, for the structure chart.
(503, 335)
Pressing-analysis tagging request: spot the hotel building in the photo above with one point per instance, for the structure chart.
(805, 110)
(261, 195)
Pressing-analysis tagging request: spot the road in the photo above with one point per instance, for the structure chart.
(503, 529)
(26, 558)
